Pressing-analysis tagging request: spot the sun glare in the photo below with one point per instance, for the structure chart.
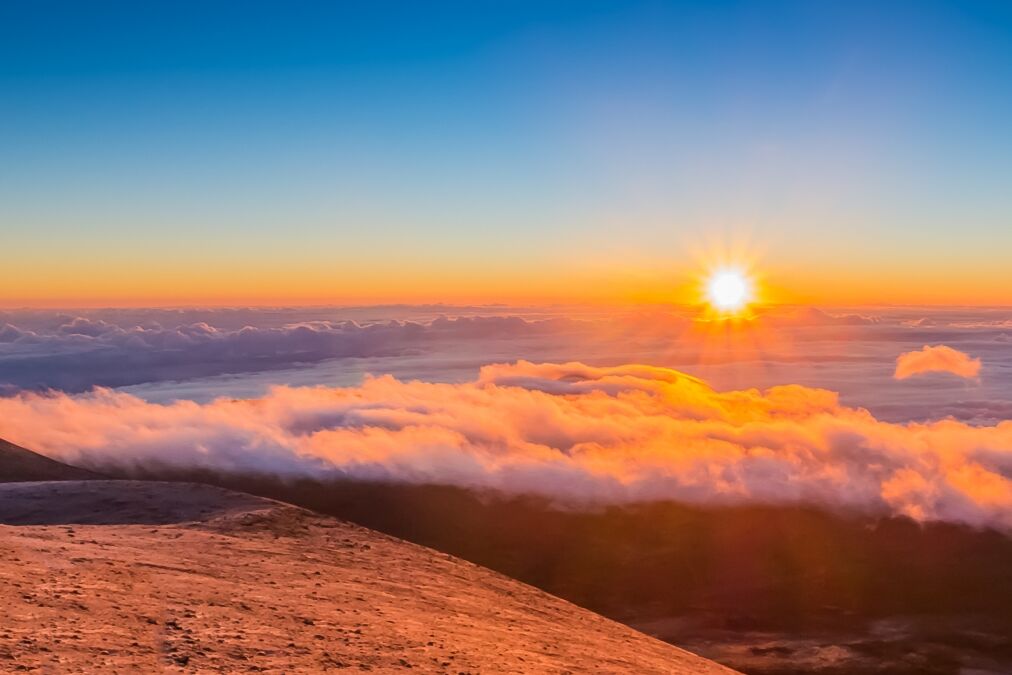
(729, 290)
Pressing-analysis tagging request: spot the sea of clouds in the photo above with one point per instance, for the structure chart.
(901, 410)
(577, 433)
(876, 358)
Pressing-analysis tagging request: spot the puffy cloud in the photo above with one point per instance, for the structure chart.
(937, 359)
(574, 432)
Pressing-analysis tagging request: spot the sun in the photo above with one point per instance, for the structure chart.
(729, 284)
(729, 290)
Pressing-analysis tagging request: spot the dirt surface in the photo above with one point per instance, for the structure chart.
(125, 576)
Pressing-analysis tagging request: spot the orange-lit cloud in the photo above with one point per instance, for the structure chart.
(937, 359)
(570, 431)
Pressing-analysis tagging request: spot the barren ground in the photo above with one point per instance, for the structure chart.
(123, 576)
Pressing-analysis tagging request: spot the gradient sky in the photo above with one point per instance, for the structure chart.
(181, 153)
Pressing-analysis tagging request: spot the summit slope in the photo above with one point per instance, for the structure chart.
(133, 576)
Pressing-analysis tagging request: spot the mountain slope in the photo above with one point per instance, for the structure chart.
(188, 578)
(19, 464)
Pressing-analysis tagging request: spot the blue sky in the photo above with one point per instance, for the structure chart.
(503, 138)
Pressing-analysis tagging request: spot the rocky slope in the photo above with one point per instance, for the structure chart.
(130, 576)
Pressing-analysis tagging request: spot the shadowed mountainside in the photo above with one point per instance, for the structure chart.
(19, 464)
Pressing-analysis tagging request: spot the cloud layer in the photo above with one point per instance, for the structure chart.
(76, 353)
(570, 431)
(936, 359)
(201, 354)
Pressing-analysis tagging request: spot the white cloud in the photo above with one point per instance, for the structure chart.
(570, 431)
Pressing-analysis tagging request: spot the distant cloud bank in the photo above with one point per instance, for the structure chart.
(571, 431)
(74, 354)
(200, 354)
(937, 359)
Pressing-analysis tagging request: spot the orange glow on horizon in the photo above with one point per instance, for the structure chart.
(584, 280)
